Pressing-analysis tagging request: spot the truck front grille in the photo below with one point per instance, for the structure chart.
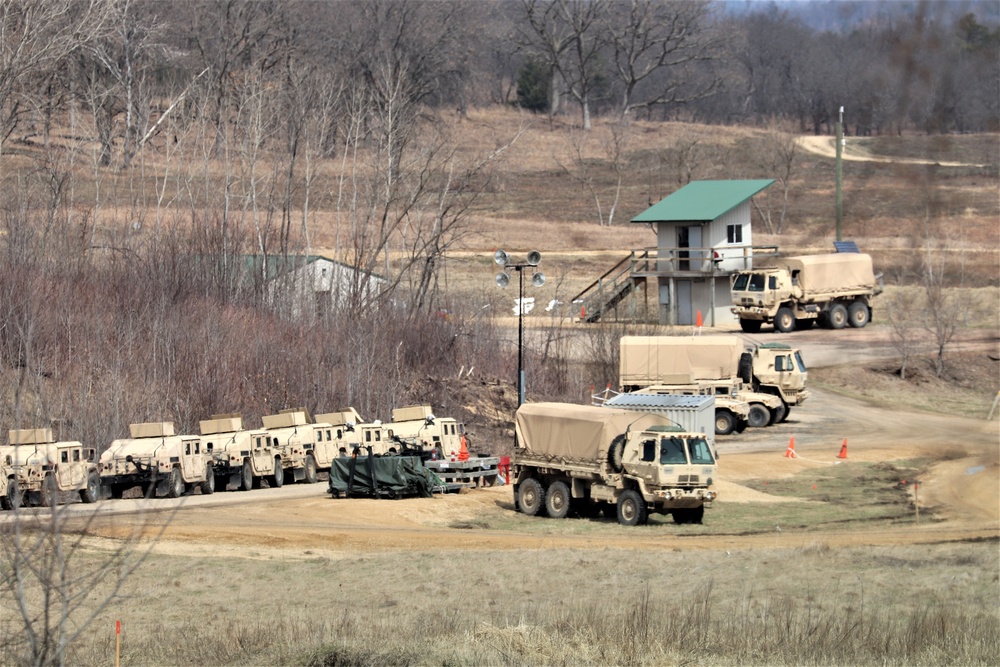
(688, 479)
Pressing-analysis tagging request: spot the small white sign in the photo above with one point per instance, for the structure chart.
(525, 305)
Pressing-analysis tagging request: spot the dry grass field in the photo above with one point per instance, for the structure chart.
(801, 561)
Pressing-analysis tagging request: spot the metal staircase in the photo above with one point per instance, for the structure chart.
(608, 291)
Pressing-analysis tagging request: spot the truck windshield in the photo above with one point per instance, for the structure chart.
(740, 283)
(802, 364)
(672, 451)
(701, 453)
(756, 283)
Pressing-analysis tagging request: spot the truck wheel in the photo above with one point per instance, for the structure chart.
(725, 422)
(277, 480)
(858, 314)
(310, 469)
(50, 494)
(558, 500)
(837, 316)
(631, 508)
(615, 453)
(784, 320)
(778, 414)
(750, 326)
(531, 496)
(92, 491)
(246, 477)
(208, 486)
(175, 487)
(696, 515)
(14, 496)
(759, 416)
(788, 409)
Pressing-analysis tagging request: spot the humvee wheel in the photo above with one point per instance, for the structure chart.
(278, 478)
(837, 316)
(558, 500)
(246, 477)
(725, 422)
(778, 414)
(175, 484)
(759, 416)
(208, 486)
(13, 499)
(92, 492)
(788, 410)
(310, 469)
(531, 496)
(631, 508)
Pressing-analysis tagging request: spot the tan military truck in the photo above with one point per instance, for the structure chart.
(419, 428)
(834, 289)
(699, 364)
(306, 447)
(157, 461)
(39, 469)
(776, 369)
(351, 434)
(242, 459)
(626, 464)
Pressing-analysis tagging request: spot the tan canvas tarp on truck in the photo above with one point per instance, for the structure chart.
(646, 360)
(581, 432)
(832, 272)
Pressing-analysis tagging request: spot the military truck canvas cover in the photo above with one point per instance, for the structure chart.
(570, 431)
(645, 360)
(395, 476)
(832, 272)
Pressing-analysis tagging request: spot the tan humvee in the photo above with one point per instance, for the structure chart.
(158, 461)
(241, 458)
(352, 435)
(39, 469)
(305, 447)
(418, 427)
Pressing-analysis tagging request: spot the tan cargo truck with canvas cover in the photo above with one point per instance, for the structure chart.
(39, 469)
(834, 289)
(419, 428)
(242, 458)
(158, 461)
(627, 464)
(698, 364)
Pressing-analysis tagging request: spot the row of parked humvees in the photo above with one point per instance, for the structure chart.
(290, 447)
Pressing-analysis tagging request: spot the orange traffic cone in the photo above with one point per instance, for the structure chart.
(463, 451)
(790, 452)
(843, 450)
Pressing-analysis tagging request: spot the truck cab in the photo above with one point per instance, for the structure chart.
(778, 368)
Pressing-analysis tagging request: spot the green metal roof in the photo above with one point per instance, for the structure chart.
(702, 201)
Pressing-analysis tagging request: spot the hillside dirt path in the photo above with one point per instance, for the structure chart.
(827, 147)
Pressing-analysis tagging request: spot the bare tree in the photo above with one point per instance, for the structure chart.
(657, 40)
(591, 174)
(775, 154)
(903, 315)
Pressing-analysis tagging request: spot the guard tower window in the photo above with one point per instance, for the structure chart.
(734, 233)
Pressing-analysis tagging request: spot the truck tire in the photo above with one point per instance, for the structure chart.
(14, 496)
(750, 326)
(631, 508)
(746, 368)
(558, 500)
(50, 494)
(759, 416)
(784, 320)
(246, 476)
(277, 480)
(837, 316)
(531, 496)
(208, 486)
(92, 492)
(615, 452)
(725, 422)
(311, 469)
(788, 410)
(689, 515)
(858, 314)
(778, 414)
(175, 484)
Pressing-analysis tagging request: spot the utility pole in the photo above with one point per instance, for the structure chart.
(840, 175)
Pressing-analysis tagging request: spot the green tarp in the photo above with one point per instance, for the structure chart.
(395, 477)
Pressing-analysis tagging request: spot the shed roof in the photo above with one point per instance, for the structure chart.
(702, 201)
